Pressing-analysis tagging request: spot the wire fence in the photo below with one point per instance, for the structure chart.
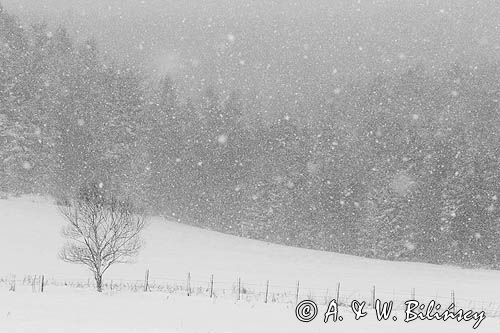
(242, 290)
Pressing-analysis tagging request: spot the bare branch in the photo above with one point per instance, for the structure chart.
(101, 232)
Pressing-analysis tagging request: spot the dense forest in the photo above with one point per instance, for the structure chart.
(395, 166)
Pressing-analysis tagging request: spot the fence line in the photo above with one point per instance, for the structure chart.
(239, 289)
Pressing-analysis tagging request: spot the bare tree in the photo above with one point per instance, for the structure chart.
(101, 231)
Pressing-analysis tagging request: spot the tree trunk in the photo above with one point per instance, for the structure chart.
(98, 280)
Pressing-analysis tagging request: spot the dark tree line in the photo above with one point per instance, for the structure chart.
(402, 167)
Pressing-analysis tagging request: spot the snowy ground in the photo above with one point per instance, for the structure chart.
(31, 238)
(73, 310)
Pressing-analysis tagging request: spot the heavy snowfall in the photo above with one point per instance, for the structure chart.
(199, 158)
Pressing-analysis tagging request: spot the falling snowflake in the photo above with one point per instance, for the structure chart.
(409, 246)
(27, 165)
(222, 139)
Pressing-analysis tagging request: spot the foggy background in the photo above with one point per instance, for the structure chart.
(370, 128)
(290, 54)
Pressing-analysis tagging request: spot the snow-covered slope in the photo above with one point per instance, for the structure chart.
(30, 240)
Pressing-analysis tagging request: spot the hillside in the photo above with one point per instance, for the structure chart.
(30, 240)
(172, 250)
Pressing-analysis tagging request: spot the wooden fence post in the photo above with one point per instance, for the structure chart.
(43, 281)
(188, 284)
(373, 297)
(146, 280)
(13, 284)
(211, 286)
(338, 293)
(267, 291)
(239, 289)
(33, 289)
(297, 293)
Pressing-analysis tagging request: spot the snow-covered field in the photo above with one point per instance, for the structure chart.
(30, 240)
(84, 311)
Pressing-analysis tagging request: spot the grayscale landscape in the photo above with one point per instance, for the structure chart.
(205, 166)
